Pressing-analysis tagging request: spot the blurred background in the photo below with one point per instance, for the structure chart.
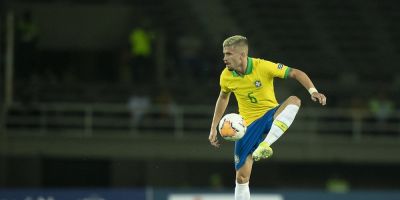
(113, 99)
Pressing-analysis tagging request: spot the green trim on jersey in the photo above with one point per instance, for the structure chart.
(249, 68)
(287, 72)
(235, 74)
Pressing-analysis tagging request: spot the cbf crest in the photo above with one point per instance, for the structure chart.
(257, 83)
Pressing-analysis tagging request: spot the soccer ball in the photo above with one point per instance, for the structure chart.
(232, 127)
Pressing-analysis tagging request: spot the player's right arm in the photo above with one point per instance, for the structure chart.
(220, 107)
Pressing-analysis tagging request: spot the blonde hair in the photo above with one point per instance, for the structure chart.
(236, 40)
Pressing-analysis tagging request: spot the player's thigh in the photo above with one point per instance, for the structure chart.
(243, 174)
(291, 100)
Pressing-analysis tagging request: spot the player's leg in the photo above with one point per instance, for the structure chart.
(293, 101)
(283, 118)
(243, 150)
(242, 190)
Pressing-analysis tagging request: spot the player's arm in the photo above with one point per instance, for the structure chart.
(304, 80)
(220, 107)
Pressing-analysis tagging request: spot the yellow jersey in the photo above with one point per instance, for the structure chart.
(254, 91)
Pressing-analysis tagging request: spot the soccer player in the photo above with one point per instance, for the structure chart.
(251, 80)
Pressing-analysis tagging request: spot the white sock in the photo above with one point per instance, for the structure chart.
(282, 123)
(242, 191)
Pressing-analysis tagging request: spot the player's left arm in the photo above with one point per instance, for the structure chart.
(304, 80)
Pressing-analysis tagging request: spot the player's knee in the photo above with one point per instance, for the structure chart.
(242, 179)
(294, 100)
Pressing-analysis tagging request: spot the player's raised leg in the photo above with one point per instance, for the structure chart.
(283, 118)
(242, 190)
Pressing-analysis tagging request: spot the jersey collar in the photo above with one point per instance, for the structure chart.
(249, 68)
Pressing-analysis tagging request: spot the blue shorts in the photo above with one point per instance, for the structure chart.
(253, 137)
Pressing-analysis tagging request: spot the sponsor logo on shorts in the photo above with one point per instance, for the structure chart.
(237, 160)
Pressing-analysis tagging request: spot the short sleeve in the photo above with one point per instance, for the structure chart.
(224, 83)
(277, 69)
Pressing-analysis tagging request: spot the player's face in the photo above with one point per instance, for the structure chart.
(232, 58)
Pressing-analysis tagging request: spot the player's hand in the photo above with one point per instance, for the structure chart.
(316, 96)
(213, 138)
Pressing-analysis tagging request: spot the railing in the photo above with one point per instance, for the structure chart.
(90, 119)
